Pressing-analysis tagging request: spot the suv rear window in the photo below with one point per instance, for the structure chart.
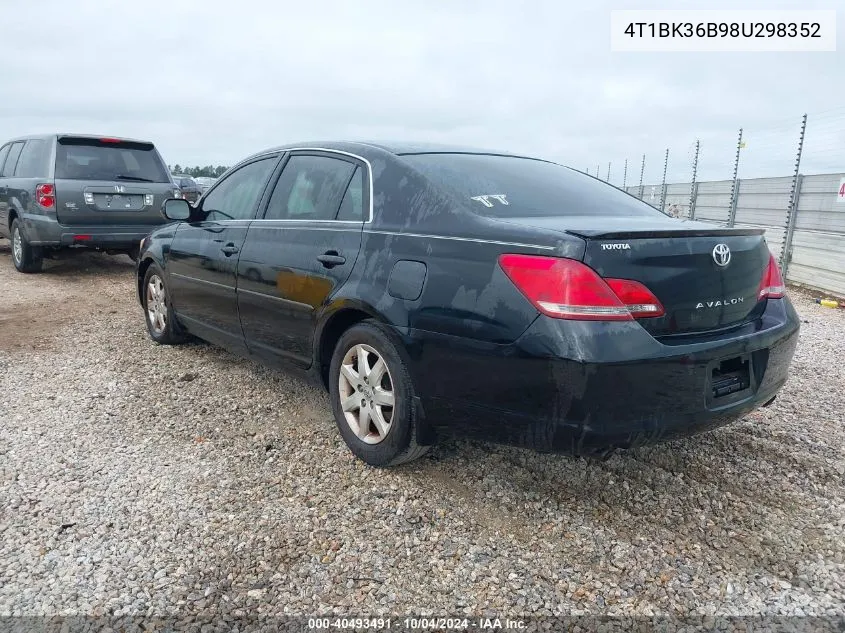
(96, 159)
(509, 187)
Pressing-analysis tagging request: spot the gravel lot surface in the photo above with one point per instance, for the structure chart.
(141, 479)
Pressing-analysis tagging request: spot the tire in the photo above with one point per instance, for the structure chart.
(389, 437)
(158, 309)
(25, 257)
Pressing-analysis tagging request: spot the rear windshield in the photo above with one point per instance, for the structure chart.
(94, 159)
(505, 186)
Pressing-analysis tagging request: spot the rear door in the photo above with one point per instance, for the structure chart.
(300, 252)
(109, 181)
(9, 195)
(204, 254)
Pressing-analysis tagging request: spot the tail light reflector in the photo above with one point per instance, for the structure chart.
(567, 289)
(45, 195)
(639, 300)
(771, 285)
(81, 238)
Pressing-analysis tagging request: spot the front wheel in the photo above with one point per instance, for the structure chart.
(25, 257)
(373, 397)
(158, 309)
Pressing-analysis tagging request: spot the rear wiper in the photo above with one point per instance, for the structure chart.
(135, 178)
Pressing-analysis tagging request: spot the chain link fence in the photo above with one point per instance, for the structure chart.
(759, 181)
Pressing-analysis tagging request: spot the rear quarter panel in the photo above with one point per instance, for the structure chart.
(465, 293)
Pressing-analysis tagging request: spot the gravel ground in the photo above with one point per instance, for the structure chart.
(140, 479)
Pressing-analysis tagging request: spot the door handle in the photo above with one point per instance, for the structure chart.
(230, 249)
(330, 259)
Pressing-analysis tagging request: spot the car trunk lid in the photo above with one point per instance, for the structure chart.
(707, 277)
(109, 181)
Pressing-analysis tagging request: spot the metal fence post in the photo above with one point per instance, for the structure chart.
(625, 175)
(732, 205)
(693, 186)
(597, 172)
(608, 172)
(792, 211)
(734, 201)
(693, 199)
(663, 188)
(642, 171)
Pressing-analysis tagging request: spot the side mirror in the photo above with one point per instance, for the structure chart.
(176, 209)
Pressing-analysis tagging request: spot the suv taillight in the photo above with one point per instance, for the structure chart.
(45, 195)
(567, 289)
(771, 285)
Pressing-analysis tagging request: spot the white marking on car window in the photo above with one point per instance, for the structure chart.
(485, 199)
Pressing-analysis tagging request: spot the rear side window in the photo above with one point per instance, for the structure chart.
(4, 151)
(505, 186)
(310, 188)
(98, 159)
(12, 159)
(352, 206)
(33, 160)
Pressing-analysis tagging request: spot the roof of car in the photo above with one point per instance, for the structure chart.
(398, 148)
(28, 137)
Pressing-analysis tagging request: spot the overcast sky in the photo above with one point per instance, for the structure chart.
(211, 82)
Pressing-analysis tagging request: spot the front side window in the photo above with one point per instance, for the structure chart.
(310, 188)
(33, 160)
(511, 187)
(12, 159)
(236, 197)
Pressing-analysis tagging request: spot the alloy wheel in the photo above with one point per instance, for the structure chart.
(17, 245)
(366, 393)
(157, 304)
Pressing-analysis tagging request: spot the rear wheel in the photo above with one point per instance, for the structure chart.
(373, 397)
(158, 310)
(25, 257)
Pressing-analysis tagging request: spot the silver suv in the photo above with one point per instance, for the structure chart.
(62, 191)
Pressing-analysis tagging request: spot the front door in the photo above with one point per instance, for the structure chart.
(204, 255)
(300, 252)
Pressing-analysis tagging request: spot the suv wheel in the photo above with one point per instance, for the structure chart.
(158, 310)
(26, 258)
(373, 397)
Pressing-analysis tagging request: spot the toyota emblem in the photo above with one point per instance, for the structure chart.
(722, 254)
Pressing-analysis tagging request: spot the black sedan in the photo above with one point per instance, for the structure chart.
(436, 290)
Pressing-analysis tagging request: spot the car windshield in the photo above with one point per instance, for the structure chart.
(99, 159)
(507, 186)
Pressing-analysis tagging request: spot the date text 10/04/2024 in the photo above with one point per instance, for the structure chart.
(416, 624)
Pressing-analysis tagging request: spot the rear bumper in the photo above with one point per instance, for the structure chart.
(41, 230)
(585, 387)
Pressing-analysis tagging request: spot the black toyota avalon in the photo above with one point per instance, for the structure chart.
(438, 290)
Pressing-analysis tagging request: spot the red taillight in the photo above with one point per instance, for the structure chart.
(771, 285)
(639, 300)
(568, 289)
(45, 195)
(109, 140)
(81, 238)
